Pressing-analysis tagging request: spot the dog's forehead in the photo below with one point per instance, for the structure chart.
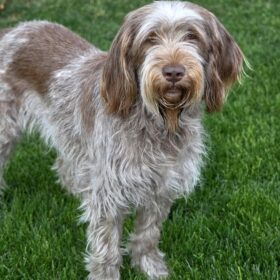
(173, 11)
(168, 14)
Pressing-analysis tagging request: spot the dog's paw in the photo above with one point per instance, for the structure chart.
(152, 264)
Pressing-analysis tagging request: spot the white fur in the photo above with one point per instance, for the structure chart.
(173, 12)
(167, 13)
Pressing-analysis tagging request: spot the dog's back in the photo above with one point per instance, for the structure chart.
(33, 51)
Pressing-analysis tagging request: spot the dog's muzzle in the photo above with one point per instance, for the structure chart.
(173, 74)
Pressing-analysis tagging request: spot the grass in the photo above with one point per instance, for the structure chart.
(228, 229)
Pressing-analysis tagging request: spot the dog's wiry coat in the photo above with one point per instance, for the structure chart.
(126, 134)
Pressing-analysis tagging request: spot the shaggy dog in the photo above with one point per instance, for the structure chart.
(126, 124)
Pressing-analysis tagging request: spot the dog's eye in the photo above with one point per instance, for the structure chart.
(191, 36)
(152, 38)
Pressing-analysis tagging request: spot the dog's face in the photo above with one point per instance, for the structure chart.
(172, 55)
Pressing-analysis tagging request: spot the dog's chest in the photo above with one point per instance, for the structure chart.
(140, 165)
(136, 164)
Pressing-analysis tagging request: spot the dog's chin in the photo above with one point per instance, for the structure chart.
(171, 103)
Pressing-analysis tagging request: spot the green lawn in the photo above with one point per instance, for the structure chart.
(228, 229)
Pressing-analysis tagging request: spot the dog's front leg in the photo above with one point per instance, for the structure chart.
(144, 241)
(104, 256)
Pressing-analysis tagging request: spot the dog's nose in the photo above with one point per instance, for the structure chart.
(173, 73)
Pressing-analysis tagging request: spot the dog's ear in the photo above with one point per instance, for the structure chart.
(224, 65)
(118, 82)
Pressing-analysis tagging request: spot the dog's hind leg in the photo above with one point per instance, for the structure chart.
(9, 130)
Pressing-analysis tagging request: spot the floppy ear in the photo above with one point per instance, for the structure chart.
(118, 82)
(224, 65)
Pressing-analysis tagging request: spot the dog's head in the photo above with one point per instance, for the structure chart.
(172, 55)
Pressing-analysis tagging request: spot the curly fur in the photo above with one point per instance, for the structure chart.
(122, 139)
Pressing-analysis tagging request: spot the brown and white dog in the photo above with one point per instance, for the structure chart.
(126, 123)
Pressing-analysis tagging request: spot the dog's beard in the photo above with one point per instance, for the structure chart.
(167, 99)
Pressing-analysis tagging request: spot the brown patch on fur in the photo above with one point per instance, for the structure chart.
(171, 117)
(224, 59)
(231, 59)
(224, 67)
(118, 83)
(50, 47)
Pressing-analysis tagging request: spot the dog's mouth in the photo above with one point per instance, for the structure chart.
(174, 97)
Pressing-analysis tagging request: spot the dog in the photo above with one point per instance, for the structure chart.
(126, 124)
